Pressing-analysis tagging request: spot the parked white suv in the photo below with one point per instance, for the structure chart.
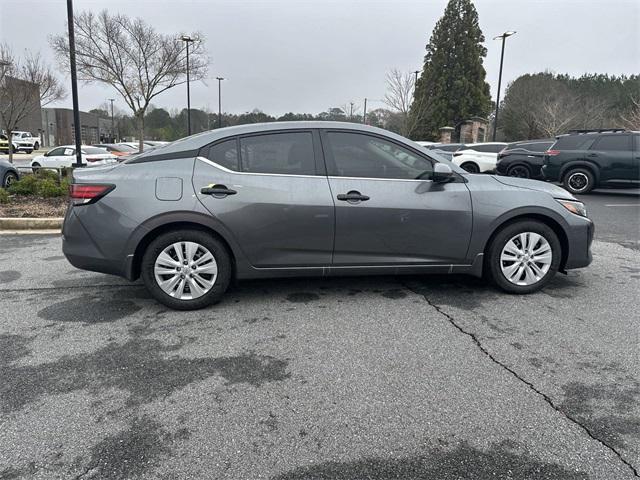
(479, 157)
(25, 142)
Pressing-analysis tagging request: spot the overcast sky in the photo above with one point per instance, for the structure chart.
(307, 56)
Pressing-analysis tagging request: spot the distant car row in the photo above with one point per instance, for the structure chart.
(99, 154)
(581, 160)
(20, 141)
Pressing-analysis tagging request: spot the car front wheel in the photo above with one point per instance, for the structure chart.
(8, 179)
(579, 180)
(524, 256)
(520, 171)
(470, 167)
(186, 270)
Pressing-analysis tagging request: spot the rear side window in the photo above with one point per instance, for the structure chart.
(574, 142)
(278, 153)
(612, 143)
(225, 154)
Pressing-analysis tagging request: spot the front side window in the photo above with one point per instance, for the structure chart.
(68, 152)
(612, 143)
(278, 153)
(366, 156)
(225, 154)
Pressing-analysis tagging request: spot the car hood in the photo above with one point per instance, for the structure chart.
(553, 190)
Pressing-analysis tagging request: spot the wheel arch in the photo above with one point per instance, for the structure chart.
(471, 162)
(150, 230)
(592, 167)
(552, 223)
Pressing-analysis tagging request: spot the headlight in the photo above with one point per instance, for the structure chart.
(574, 207)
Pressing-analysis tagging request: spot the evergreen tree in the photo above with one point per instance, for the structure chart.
(452, 87)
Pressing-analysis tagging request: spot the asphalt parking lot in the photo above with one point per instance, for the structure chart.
(353, 378)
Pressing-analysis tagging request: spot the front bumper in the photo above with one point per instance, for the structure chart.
(580, 237)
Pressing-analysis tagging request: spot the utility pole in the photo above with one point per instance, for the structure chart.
(364, 115)
(351, 111)
(415, 82)
(187, 39)
(495, 120)
(219, 101)
(74, 84)
(113, 128)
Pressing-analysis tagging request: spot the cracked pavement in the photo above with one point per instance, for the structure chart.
(388, 377)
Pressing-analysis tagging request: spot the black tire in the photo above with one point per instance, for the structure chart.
(8, 179)
(519, 171)
(35, 167)
(470, 167)
(217, 249)
(494, 251)
(579, 181)
(28, 151)
(36, 146)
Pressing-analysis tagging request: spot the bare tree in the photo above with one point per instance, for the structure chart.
(132, 57)
(26, 85)
(631, 119)
(399, 97)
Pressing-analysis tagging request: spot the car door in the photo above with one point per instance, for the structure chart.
(61, 159)
(271, 192)
(385, 214)
(614, 154)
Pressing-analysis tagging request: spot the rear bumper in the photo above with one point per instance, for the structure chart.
(580, 237)
(82, 251)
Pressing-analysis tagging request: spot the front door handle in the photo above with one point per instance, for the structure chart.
(352, 197)
(217, 191)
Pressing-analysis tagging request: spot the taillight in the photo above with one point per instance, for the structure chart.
(86, 193)
(552, 153)
(93, 159)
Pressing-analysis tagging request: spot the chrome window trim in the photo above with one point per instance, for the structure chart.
(227, 170)
(336, 177)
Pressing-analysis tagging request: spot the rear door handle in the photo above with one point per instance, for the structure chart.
(353, 197)
(217, 191)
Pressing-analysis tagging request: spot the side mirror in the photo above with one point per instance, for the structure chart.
(442, 173)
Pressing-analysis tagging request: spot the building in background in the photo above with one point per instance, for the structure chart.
(28, 101)
(58, 129)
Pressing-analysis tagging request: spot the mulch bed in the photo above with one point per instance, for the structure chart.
(20, 206)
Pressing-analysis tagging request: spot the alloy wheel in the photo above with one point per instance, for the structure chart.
(526, 258)
(185, 270)
(578, 181)
(519, 171)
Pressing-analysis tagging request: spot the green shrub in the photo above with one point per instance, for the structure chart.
(47, 174)
(27, 185)
(50, 188)
(4, 196)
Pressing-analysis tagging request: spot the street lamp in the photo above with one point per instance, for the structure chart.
(219, 101)
(187, 39)
(113, 128)
(416, 72)
(495, 120)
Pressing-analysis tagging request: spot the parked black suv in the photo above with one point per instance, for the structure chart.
(586, 159)
(523, 159)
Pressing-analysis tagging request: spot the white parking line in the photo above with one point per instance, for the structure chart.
(622, 205)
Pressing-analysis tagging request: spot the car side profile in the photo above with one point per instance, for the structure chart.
(313, 199)
(478, 157)
(65, 156)
(586, 159)
(523, 159)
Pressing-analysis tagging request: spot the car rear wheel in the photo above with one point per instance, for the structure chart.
(524, 256)
(520, 171)
(470, 167)
(186, 270)
(579, 180)
(8, 179)
(36, 146)
(35, 167)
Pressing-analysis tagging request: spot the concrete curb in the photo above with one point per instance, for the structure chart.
(21, 224)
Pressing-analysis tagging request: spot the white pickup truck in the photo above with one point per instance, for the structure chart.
(24, 141)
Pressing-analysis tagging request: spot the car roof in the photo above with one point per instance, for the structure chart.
(470, 145)
(199, 140)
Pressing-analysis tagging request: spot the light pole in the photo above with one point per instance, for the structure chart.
(416, 72)
(364, 114)
(219, 101)
(113, 128)
(74, 84)
(187, 39)
(495, 120)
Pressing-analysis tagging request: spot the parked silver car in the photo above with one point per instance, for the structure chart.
(313, 198)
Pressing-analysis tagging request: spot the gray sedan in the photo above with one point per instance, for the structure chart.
(8, 174)
(313, 199)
